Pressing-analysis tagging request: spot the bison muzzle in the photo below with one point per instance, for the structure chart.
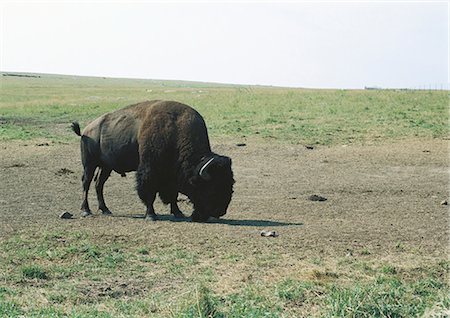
(167, 143)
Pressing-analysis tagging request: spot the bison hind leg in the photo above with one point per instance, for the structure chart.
(100, 179)
(86, 178)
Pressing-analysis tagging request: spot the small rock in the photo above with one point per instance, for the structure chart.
(17, 165)
(241, 145)
(309, 147)
(444, 202)
(269, 233)
(63, 171)
(315, 197)
(65, 215)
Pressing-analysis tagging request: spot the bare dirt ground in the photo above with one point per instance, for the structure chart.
(383, 202)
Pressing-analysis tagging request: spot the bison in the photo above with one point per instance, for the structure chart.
(167, 143)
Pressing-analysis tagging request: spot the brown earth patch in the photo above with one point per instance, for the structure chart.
(383, 205)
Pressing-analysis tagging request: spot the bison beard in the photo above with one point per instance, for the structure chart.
(167, 143)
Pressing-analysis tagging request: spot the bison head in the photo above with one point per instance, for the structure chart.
(213, 187)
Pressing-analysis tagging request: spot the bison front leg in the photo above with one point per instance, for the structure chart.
(100, 182)
(147, 193)
(169, 194)
(150, 214)
(175, 210)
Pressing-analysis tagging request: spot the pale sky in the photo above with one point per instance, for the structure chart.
(330, 44)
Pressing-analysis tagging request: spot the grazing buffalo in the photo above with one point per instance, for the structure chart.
(167, 143)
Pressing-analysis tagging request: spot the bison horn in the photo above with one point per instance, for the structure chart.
(204, 171)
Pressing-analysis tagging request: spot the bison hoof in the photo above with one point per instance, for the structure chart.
(179, 215)
(151, 217)
(199, 218)
(106, 212)
(86, 213)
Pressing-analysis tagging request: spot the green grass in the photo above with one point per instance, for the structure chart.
(66, 275)
(34, 271)
(386, 297)
(44, 107)
(78, 272)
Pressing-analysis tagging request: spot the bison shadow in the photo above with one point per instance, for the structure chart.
(256, 223)
(231, 222)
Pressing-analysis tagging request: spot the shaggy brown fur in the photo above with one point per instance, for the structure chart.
(167, 143)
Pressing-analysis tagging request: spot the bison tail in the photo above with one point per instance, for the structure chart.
(76, 128)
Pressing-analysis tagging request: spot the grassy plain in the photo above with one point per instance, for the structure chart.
(363, 258)
(43, 107)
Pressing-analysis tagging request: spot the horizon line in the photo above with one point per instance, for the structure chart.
(435, 86)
